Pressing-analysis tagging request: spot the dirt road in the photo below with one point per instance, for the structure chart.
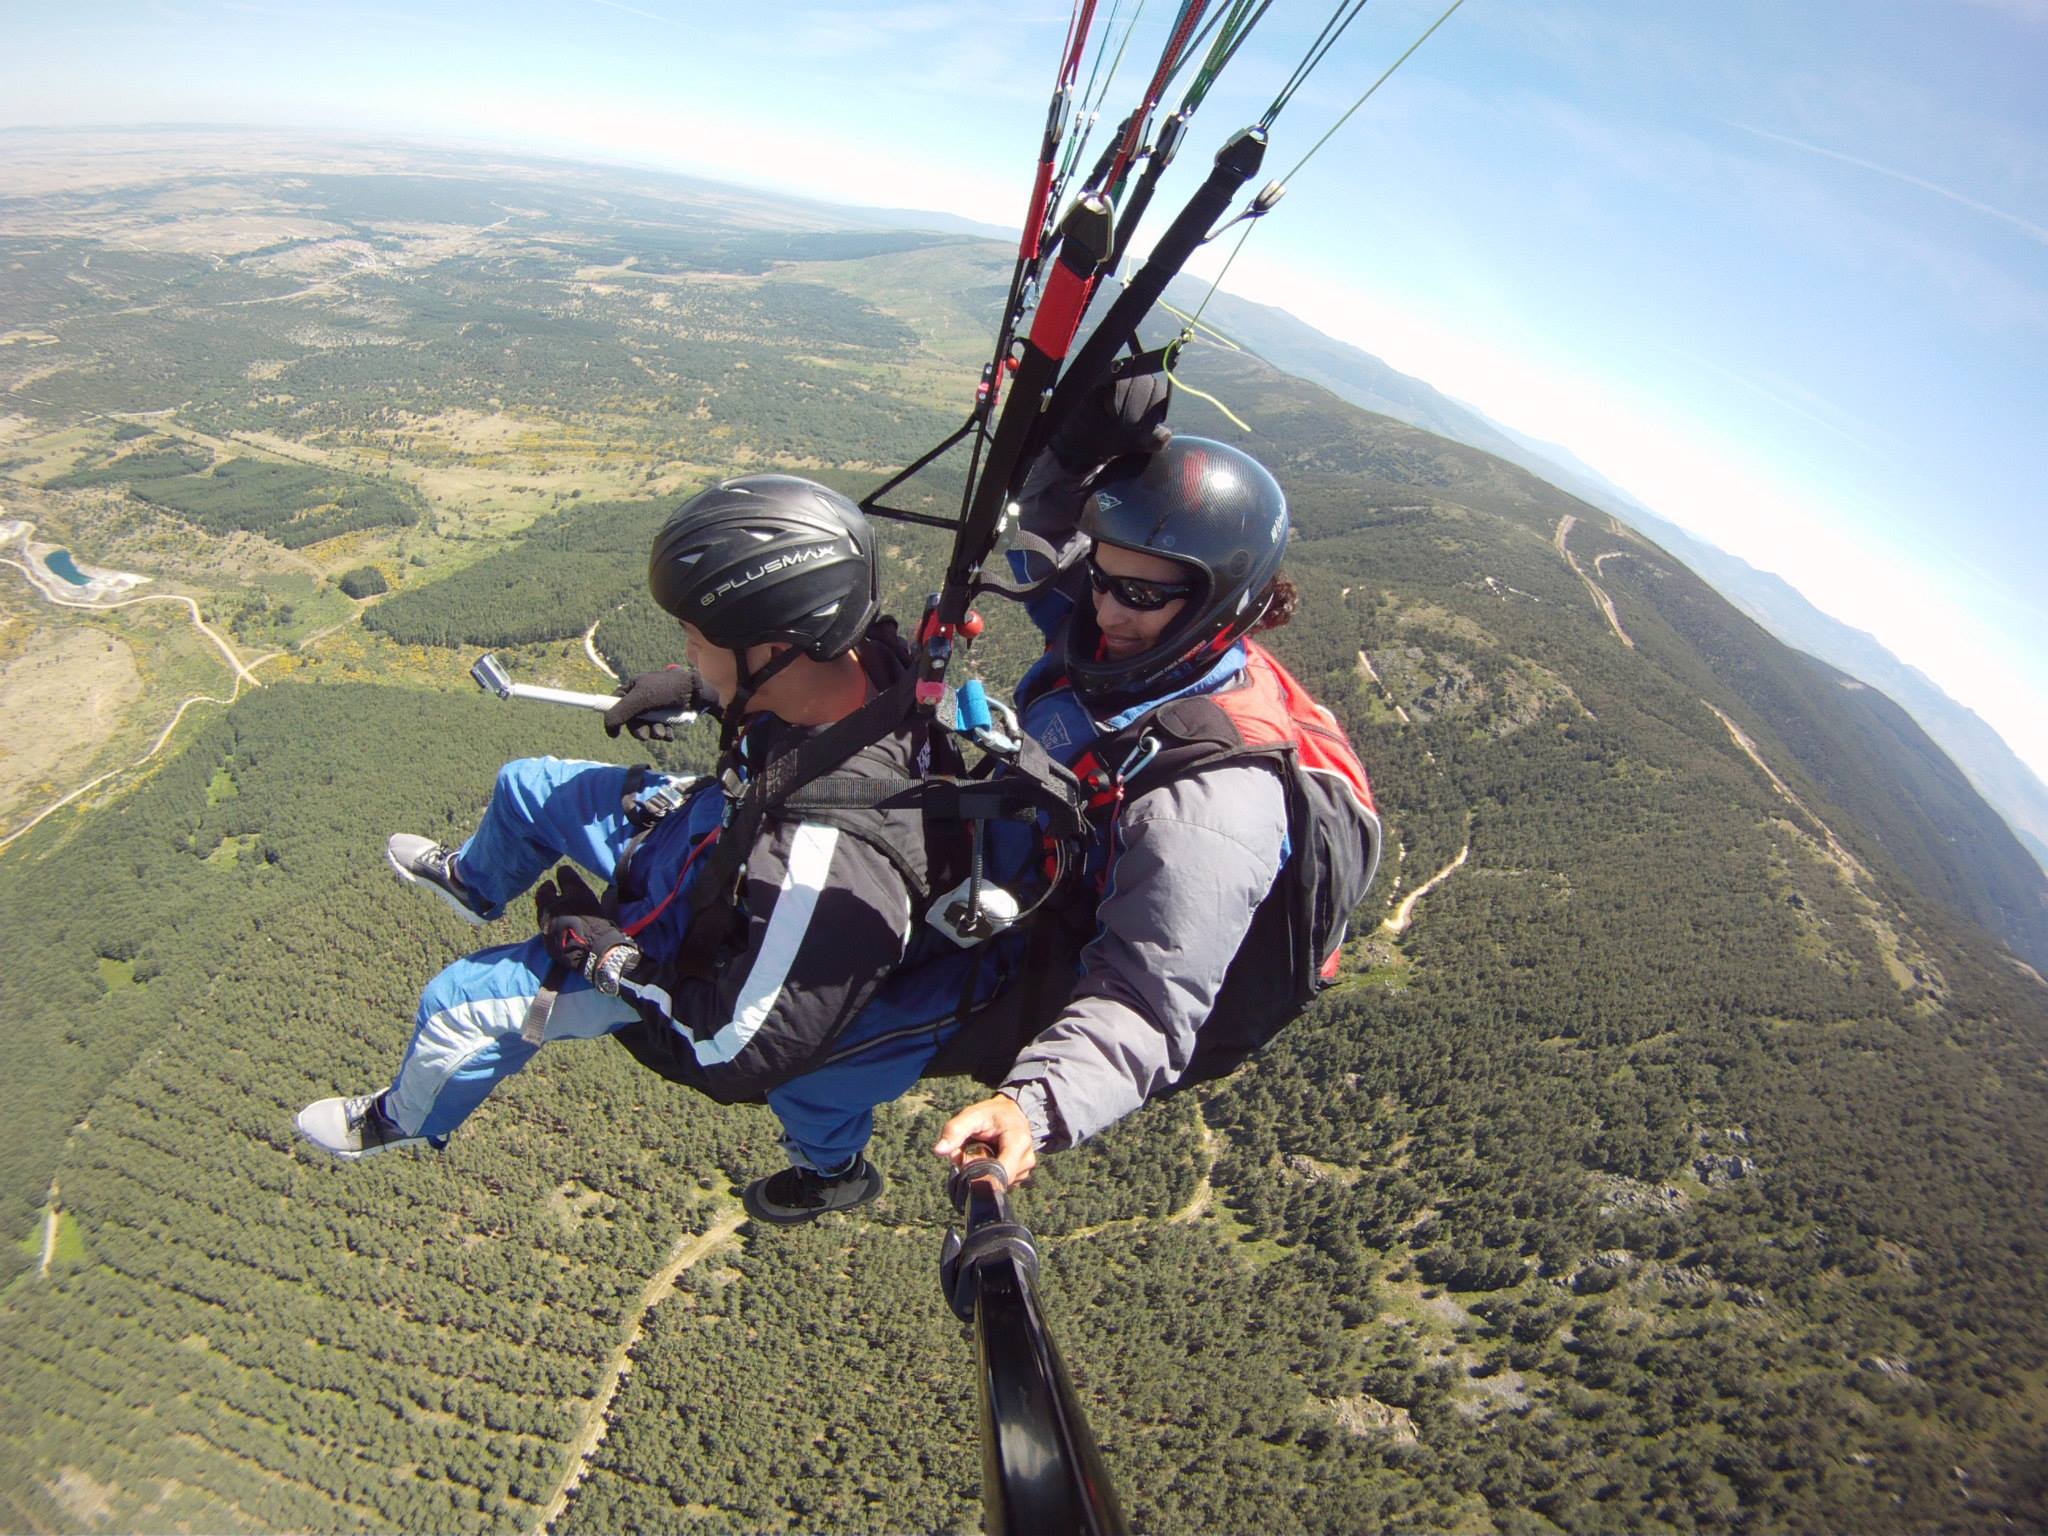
(687, 1252)
(49, 1232)
(1564, 528)
(1405, 912)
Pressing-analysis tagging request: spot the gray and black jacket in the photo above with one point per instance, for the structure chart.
(825, 907)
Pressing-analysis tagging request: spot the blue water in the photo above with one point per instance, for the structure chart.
(59, 560)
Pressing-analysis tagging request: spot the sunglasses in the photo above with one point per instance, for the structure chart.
(1139, 596)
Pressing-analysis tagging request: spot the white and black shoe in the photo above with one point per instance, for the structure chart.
(803, 1194)
(356, 1128)
(424, 862)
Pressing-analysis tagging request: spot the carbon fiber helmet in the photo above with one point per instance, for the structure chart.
(1212, 508)
(769, 557)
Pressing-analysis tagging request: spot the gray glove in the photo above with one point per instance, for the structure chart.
(667, 692)
(1125, 416)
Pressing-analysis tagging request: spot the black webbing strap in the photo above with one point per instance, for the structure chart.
(781, 777)
(1015, 795)
(1158, 360)
(803, 779)
(1024, 589)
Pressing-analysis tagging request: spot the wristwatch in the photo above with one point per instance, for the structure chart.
(604, 971)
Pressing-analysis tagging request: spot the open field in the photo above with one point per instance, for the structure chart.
(60, 698)
(489, 344)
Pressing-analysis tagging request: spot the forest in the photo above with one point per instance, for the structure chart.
(1665, 1171)
(295, 505)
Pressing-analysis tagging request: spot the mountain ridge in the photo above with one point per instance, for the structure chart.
(1355, 375)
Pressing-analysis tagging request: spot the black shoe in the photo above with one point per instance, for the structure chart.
(802, 1194)
(356, 1128)
(423, 862)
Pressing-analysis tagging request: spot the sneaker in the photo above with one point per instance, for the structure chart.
(803, 1194)
(421, 861)
(355, 1128)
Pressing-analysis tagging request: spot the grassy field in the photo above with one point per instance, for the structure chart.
(63, 692)
(86, 693)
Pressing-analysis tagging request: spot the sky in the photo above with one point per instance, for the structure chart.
(1779, 271)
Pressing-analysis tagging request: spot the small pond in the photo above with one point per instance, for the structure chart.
(60, 561)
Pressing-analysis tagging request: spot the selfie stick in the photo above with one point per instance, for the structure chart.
(492, 678)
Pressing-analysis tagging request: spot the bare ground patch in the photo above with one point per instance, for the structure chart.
(88, 1502)
(61, 698)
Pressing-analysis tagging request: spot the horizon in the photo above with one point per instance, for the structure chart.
(1791, 355)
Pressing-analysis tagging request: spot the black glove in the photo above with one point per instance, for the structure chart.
(578, 934)
(658, 693)
(1124, 416)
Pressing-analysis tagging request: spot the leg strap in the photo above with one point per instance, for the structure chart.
(538, 1012)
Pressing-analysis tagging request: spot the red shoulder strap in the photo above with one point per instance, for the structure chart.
(1272, 708)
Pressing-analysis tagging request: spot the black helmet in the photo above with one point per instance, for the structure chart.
(1213, 508)
(768, 557)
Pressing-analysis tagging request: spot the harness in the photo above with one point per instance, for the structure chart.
(1291, 950)
(930, 827)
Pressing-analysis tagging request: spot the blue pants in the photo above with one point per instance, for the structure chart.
(828, 1114)
(467, 1040)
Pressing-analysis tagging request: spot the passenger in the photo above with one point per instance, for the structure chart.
(774, 582)
(1179, 555)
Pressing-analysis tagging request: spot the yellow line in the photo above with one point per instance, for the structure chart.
(1191, 320)
(1242, 424)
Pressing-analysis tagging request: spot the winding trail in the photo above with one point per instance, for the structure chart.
(1205, 1192)
(49, 1233)
(1564, 528)
(1849, 864)
(590, 650)
(244, 673)
(1405, 912)
(1600, 560)
(155, 747)
(226, 650)
(596, 1421)
(1196, 1208)
(1365, 665)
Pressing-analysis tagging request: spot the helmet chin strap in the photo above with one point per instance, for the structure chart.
(751, 682)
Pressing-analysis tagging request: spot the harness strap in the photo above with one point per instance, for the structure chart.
(1025, 589)
(645, 809)
(533, 1028)
(767, 790)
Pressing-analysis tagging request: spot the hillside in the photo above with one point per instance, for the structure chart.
(1356, 376)
(1678, 1161)
(1870, 757)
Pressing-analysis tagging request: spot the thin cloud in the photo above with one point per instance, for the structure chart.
(2033, 231)
(634, 10)
(2031, 12)
(1787, 396)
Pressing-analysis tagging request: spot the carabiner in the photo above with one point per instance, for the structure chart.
(1142, 754)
